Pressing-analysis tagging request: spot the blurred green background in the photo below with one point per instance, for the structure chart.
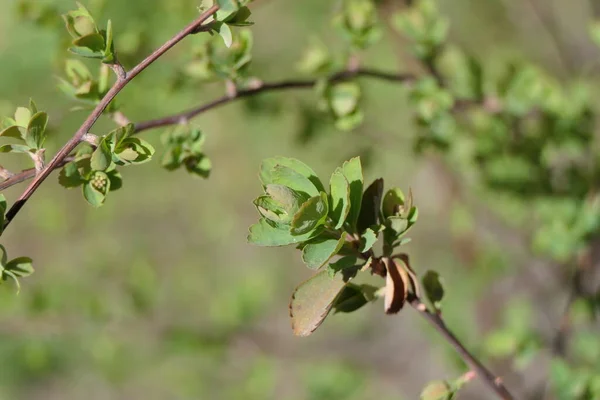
(156, 295)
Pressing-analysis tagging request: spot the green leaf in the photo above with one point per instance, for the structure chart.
(312, 301)
(290, 200)
(370, 206)
(85, 52)
(93, 41)
(109, 49)
(339, 199)
(354, 297)
(393, 201)
(12, 131)
(22, 116)
(20, 266)
(36, 130)
(434, 290)
(225, 32)
(288, 177)
(15, 148)
(437, 390)
(318, 251)
(311, 215)
(367, 240)
(227, 9)
(352, 170)
(101, 157)
(397, 224)
(241, 17)
(344, 98)
(341, 264)
(32, 106)
(69, 176)
(4, 256)
(264, 234)
(268, 165)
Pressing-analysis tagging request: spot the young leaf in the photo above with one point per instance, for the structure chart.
(267, 166)
(264, 234)
(392, 202)
(12, 131)
(22, 116)
(437, 390)
(101, 157)
(20, 266)
(286, 176)
(311, 215)
(339, 199)
(367, 240)
(69, 176)
(434, 290)
(225, 32)
(36, 130)
(318, 251)
(312, 301)
(352, 170)
(370, 206)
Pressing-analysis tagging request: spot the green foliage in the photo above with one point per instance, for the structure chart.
(445, 390)
(184, 148)
(82, 86)
(88, 40)
(516, 337)
(434, 289)
(222, 59)
(358, 23)
(14, 269)
(29, 127)
(424, 25)
(295, 209)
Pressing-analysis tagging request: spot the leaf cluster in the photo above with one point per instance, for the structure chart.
(184, 148)
(296, 208)
(88, 40)
(29, 128)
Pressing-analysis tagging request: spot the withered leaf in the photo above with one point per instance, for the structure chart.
(396, 286)
(312, 300)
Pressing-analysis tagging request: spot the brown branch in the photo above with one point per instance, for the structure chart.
(268, 87)
(123, 79)
(492, 381)
(264, 87)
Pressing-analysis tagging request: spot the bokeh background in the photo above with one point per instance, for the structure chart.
(156, 295)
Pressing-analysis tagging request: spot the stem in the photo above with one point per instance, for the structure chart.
(492, 381)
(123, 79)
(270, 87)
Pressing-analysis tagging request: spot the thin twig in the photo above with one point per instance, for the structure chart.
(268, 87)
(123, 79)
(492, 381)
(263, 87)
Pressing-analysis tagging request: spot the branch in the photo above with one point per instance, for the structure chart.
(269, 87)
(187, 115)
(492, 381)
(123, 79)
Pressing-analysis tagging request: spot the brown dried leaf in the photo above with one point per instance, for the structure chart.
(396, 288)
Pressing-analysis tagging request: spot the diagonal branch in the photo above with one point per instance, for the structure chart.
(123, 79)
(187, 115)
(493, 382)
